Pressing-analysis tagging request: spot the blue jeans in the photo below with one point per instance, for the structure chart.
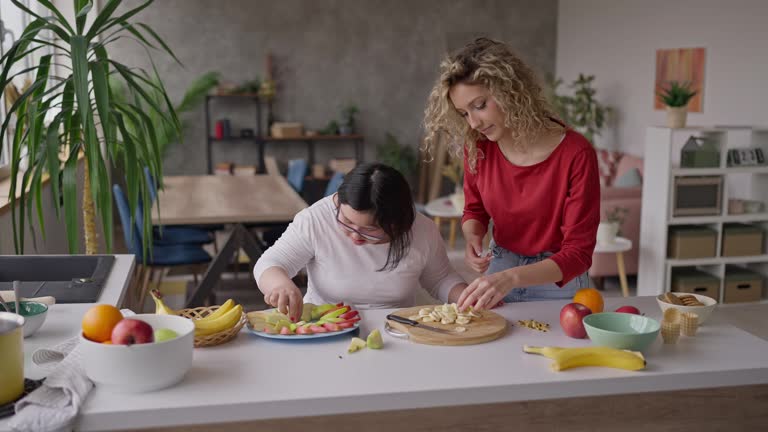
(504, 259)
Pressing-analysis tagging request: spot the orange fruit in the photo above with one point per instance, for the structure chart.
(99, 321)
(590, 298)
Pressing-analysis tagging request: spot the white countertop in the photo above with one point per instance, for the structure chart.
(63, 320)
(254, 378)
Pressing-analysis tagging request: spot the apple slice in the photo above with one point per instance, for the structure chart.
(332, 327)
(345, 325)
(286, 331)
(348, 315)
(304, 331)
(318, 329)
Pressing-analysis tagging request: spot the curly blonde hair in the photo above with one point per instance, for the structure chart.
(510, 82)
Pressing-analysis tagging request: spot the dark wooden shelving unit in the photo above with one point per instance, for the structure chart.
(260, 138)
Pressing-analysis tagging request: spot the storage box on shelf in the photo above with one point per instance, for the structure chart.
(695, 218)
(690, 280)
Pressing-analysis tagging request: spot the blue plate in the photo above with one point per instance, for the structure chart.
(301, 336)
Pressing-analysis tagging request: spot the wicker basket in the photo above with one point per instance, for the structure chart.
(216, 338)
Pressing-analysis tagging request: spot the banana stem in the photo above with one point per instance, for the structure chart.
(533, 349)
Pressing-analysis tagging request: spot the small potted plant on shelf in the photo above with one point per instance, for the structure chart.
(676, 97)
(610, 228)
(347, 126)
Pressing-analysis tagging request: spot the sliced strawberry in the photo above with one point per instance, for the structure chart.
(348, 315)
(332, 327)
(286, 331)
(345, 324)
(318, 329)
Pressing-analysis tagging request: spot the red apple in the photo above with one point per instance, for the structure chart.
(571, 316)
(629, 309)
(132, 331)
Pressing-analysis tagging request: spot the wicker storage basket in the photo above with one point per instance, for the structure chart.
(216, 338)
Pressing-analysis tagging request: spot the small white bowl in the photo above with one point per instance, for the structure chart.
(702, 311)
(34, 314)
(145, 367)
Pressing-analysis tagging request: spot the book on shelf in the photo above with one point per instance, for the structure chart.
(244, 170)
(223, 168)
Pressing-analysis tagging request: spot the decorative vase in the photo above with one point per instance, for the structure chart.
(676, 116)
(606, 232)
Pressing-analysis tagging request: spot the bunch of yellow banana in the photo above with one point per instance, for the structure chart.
(567, 358)
(223, 318)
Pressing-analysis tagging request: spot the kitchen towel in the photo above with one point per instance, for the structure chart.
(55, 405)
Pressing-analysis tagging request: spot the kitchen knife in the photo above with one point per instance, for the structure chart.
(417, 324)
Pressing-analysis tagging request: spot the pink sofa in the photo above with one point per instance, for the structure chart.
(604, 264)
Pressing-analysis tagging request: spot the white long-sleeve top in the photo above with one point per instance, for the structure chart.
(338, 270)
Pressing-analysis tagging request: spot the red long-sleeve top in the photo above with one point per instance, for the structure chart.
(552, 206)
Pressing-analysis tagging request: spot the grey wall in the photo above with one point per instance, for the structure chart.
(380, 55)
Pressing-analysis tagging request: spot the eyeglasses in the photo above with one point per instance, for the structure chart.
(366, 237)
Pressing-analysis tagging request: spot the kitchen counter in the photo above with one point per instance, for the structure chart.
(269, 384)
(63, 320)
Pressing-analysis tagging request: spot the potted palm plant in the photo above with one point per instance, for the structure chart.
(676, 97)
(84, 119)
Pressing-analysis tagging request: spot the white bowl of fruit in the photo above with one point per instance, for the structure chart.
(142, 353)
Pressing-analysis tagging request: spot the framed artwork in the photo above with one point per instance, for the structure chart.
(682, 65)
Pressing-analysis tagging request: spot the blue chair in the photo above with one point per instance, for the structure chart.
(160, 258)
(334, 183)
(297, 169)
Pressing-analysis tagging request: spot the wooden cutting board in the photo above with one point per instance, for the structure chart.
(489, 327)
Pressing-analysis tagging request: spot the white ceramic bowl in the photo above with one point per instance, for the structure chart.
(34, 314)
(702, 311)
(142, 367)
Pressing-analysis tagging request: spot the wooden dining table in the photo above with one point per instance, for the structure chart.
(257, 201)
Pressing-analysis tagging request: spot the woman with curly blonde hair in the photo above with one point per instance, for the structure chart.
(536, 178)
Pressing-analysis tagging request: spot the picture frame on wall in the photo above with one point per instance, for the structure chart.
(746, 157)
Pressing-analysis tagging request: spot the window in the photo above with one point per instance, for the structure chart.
(13, 21)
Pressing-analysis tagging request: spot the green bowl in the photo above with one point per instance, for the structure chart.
(34, 315)
(621, 330)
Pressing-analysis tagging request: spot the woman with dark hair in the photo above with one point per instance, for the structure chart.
(364, 245)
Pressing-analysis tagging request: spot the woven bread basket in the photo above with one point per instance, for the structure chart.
(215, 338)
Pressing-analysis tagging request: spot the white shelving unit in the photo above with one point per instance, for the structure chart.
(662, 161)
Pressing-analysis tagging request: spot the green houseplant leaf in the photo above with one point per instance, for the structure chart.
(677, 94)
(87, 120)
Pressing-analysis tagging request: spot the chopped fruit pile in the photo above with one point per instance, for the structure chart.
(323, 318)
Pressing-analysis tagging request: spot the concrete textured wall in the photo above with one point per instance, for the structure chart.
(379, 55)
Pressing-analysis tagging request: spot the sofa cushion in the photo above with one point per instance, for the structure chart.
(608, 193)
(606, 162)
(631, 178)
